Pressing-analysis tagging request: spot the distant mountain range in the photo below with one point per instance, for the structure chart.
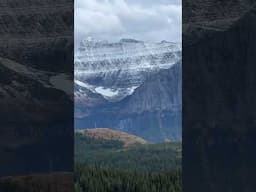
(130, 85)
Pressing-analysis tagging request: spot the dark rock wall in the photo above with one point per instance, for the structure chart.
(219, 99)
(36, 124)
(38, 33)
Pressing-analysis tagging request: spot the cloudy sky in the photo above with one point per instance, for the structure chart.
(148, 20)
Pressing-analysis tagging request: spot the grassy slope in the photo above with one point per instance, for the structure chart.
(110, 134)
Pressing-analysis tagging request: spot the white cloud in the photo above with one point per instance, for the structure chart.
(114, 19)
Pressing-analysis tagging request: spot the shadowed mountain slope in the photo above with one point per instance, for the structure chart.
(36, 69)
(218, 97)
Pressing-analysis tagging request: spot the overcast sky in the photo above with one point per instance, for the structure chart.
(147, 20)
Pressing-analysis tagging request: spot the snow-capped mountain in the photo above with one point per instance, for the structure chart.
(110, 77)
(115, 70)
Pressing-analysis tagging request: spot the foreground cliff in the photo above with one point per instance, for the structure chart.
(36, 69)
(218, 95)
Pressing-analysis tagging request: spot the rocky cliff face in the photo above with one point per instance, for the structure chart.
(35, 55)
(38, 33)
(204, 18)
(36, 68)
(131, 86)
(218, 91)
(115, 70)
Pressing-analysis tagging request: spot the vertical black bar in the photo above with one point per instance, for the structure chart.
(36, 87)
(219, 95)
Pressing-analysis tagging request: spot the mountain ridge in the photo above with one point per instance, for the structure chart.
(131, 86)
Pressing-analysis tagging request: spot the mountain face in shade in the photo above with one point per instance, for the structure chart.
(129, 85)
(36, 88)
(35, 59)
(219, 95)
